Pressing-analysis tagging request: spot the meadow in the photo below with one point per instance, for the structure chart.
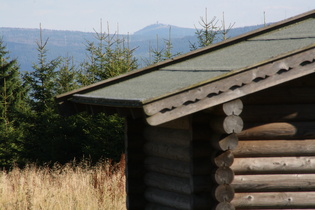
(70, 186)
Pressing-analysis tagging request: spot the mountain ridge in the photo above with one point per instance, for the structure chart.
(21, 42)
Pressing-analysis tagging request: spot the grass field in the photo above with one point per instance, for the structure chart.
(71, 186)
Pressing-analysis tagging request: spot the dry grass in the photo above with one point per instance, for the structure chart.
(72, 186)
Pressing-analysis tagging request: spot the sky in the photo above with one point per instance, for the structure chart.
(129, 16)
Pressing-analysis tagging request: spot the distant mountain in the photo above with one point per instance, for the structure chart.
(163, 31)
(21, 42)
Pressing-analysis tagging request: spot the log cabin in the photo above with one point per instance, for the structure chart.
(229, 126)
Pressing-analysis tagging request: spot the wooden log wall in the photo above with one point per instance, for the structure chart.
(274, 162)
(168, 162)
(225, 124)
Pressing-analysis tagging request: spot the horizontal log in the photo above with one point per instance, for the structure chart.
(229, 124)
(264, 148)
(224, 175)
(224, 142)
(279, 130)
(168, 167)
(168, 151)
(234, 107)
(224, 159)
(279, 113)
(274, 183)
(275, 200)
(168, 183)
(224, 206)
(224, 193)
(268, 165)
(179, 137)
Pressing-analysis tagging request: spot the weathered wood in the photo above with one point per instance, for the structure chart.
(173, 152)
(275, 200)
(168, 167)
(274, 182)
(279, 130)
(234, 107)
(224, 142)
(235, 86)
(168, 135)
(279, 113)
(276, 165)
(169, 199)
(276, 148)
(224, 175)
(224, 206)
(224, 159)
(168, 183)
(229, 124)
(224, 193)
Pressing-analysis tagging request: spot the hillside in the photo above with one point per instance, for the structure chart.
(22, 42)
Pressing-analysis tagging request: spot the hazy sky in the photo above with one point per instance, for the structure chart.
(132, 15)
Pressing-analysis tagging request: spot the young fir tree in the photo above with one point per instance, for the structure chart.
(110, 56)
(210, 32)
(12, 107)
(164, 53)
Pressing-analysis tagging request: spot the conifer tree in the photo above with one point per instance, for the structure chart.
(12, 108)
(110, 56)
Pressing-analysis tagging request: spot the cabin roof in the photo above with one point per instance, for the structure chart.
(224, 71)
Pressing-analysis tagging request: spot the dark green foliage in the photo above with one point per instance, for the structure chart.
(42, 135)
(12, 109)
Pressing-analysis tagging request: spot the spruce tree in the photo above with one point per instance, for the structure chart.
(12, 108)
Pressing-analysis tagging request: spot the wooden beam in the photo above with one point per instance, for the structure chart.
(274, 182)
(275, 200)
(234, 107)
(276, 148)
(229, 124)
(279, 130)
(223, 175)
(275, 165)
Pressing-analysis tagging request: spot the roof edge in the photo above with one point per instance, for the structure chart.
(134, 73)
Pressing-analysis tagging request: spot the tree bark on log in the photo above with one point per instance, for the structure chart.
(276, 148)
(274, 183)
(276, 200)
(274, 165)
